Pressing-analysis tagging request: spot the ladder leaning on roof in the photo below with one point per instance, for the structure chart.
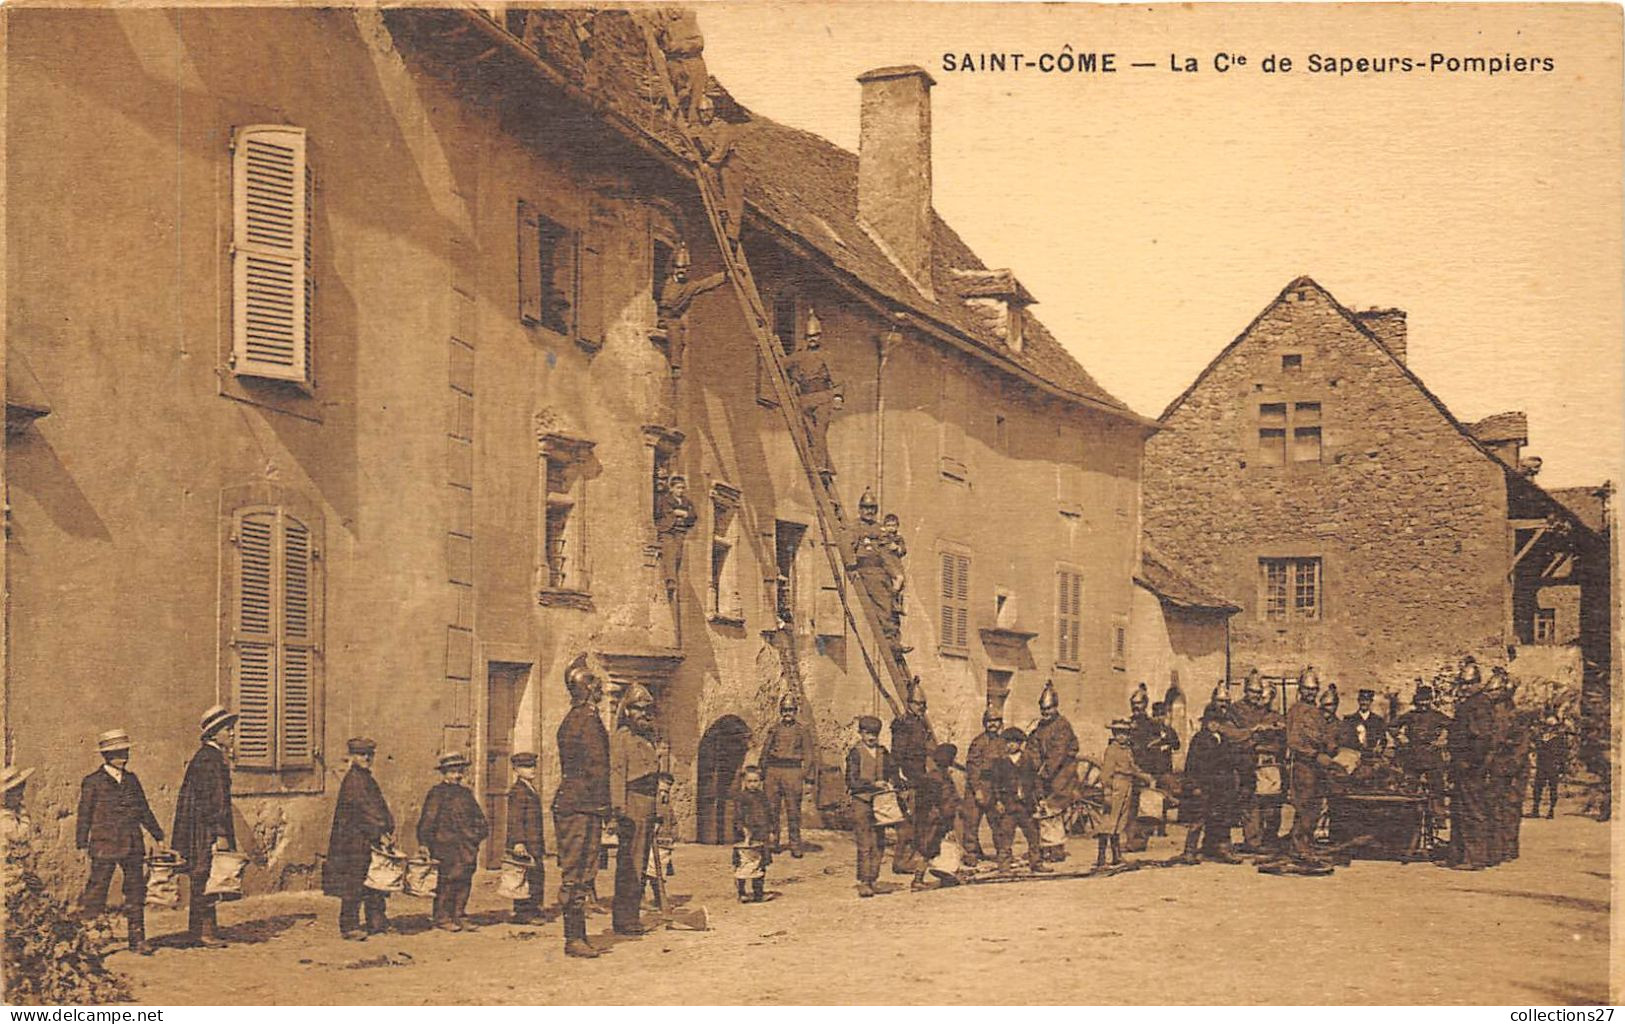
(750, 302)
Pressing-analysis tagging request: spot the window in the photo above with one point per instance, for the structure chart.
(1291, 588)
(723, 602)
(788, 324)
(272, 283)
(952, 407)
(565, 569)
(273, 649)
(1276, 425)
(547, 272)
(1291, 361)
(955, 619)
(1545, 625)
(1119, 643)
(1068, 617)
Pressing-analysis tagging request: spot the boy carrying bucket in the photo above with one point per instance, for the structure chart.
(753, 824)
(525, 836)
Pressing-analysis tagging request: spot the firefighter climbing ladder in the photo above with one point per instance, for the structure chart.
(750, 302)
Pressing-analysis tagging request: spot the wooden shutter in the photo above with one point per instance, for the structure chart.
(955, 600)
(530, 265)
(590, 299)
(296, 712)
(253, 639)
(270, 253)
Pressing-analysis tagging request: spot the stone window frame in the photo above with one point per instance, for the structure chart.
(1291, 420)
(1543, 626)
(563, 461)
(725, 602)
(1291, 589)
(776, 301)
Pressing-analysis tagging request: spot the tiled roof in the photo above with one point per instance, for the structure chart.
(802, 184)
(1175, 588)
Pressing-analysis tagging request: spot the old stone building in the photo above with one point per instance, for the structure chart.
(349, 408)
(1311, 476)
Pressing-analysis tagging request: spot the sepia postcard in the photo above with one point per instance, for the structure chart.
(864, 503)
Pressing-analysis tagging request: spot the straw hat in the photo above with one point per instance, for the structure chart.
(451, 761)
(215, 719)
(11, 777)
(113, 739)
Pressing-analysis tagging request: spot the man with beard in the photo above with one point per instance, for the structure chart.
(978, 802)
(1054, 746)
(636, 777)
(789, 764)
(1310, 746)
(1261, 790)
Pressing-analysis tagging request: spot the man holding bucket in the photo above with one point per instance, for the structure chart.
(1054, 745)
(361, 821)
(581, 802)
(870, 771)
(203, 825)
(452, 826)
(525, 836)
(635, 776)
(113, 810)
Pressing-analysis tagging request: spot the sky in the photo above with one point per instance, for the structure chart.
(1154, 213)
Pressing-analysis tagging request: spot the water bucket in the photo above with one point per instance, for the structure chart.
(748, 859)
(950, 856)
(163, 880)
(888, 809)
(1052, 830)
(1153, 802)
(515, 884)
(1269, 780)
(1347, 759)
(386, 871)
(226, 873)
(422, 876)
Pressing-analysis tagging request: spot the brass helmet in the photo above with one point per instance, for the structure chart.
(1139, 698)
(637, 696)
(1308, 682)
(578, 678)
(681, 260)
(1253, 685)
(788, 702)
(1328, 699)
(1049, 699)
(868, 502)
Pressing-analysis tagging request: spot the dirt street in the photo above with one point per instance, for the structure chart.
(1534, 931)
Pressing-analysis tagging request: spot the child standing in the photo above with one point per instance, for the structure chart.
(753, 823)
(870, 771)
(1015, 796)
(936, 809)
(1118, 774)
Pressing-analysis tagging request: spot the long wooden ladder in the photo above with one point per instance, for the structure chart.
(830, 523)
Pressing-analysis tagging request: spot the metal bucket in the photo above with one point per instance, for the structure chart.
(1347, 759)
(386, 871)
(1269, 780)
(1153, 803)
(226, 873)
(1052, 830)
(950, 856)
(888, 809)
(748, 861)
(515, 884)
(163, 880)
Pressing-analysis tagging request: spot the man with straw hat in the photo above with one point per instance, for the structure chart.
(113, 810)
(452, 826)
(361, 821)
(16, 827)
(203, 820)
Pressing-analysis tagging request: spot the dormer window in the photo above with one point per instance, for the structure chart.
(998, 302)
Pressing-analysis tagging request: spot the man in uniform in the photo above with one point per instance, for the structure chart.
(894, 549)
(674, 517)
(1421, 735)
(817, 392)
(525, 835)
(911, 743)
(869, 771)
(1310, 746)
(677, 294)
(978, 800)
(684, 47)
(1054, 746)
(716, 140)
(361, 821)
(1551, 758)
(581, 802)
(203, 820)
(1364, 729)
(866, 559)
(1265, 752)
(1153, 742)
(1470, 743)
(790, 765)
(635, 779)
(113, 810)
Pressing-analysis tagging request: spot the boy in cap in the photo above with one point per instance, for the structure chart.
(870, 771)
(525, 835)
(452, 826)
(936, 808)
(361, 821)
(113, 810)
(203, 822)
(1015, 796)
(753, 822)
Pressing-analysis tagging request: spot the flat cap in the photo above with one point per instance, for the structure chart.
(869, 723)
(361, 745)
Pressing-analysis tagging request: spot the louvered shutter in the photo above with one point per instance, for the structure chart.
(962, 594)
(253, 641)
(947, 599)
(296, 712)
(530, 265)
(270, 253)
(1077, 618)
(591, 300)
(1063, 621)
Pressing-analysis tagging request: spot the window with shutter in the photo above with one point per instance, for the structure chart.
(955, 619)
(592, 296)
(272, 284)
(548, 263)
(952, 406)
(1068, 617)
(726, 603)
(275, 639)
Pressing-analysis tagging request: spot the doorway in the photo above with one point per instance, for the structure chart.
(786, 544)
(722, 754)
(504, 686)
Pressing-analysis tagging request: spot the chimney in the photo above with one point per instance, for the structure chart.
(1505, 434)
(894, 167)
(1389, 327)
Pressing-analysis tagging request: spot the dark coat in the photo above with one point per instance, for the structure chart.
(1015, 783)
(525, 818)
(1376, 733)
(911, 743)
(203, 810)
(753, 815)
(1055, 744)
(360, 819)
(863, 788)
(583, 762)
(452, 826)
(1213, 767)
(112, 815)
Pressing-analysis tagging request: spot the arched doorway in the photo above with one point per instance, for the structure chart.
(722, 754)
(1178, 714)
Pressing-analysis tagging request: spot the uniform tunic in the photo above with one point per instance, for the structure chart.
(634, 789)
(581, 800)
(866, 558)
(1055, 746)
(1307, 737)
(1471, 742)
(789, 759)
(978, 800)
(361, 819)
